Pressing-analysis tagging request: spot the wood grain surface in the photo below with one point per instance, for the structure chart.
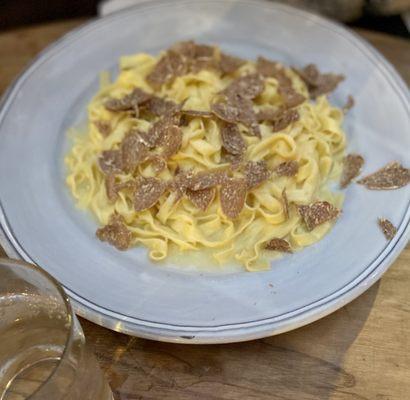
(360, 352)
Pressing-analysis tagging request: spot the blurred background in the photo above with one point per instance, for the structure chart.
(389, 16)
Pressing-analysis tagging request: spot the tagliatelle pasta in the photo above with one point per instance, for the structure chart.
(261, 138)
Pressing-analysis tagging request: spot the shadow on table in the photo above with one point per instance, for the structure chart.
(303, 364)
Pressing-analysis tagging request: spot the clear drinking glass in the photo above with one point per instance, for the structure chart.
(43, 354)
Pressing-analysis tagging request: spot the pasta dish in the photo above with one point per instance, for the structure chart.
(195, 150)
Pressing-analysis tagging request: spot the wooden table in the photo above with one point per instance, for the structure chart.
(360, 352)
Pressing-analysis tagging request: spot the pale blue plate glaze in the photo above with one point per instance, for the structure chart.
(123, 290)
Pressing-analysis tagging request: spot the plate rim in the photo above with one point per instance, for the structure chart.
(232, 332)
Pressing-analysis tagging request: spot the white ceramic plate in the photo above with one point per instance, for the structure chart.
(123, 290)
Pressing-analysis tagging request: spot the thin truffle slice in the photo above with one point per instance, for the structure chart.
(232, 140)
(147, 192)
(180, 59)
(104, 127)
(171, 141)
(140, 96)
(133, 151)
(352, 165)
(280, 118)
(273, 69)
(388, 229)
(171, 65)
(349, 104)
(284, 120)
(130, 185)
(196, 56)
(197, 113)
(268, 114)
(256, 172)
(266, 67)
(247, 86)
(233, 195)
(181, 181)
(128, 102)
(200, 63)
(206, 179)
(234, 159)
(277, 244)
(116, 233)
(317, 82)
(190, 50)
(111, 188)
(238, 109)
(247, 115)
(204, 51)
(283, 80)
(201, 198)
(154, 135)
(285, 203)
(110, 161)
(226, 112)
(185, 48)
(287, 168)
(291, 97)
(118, 104)
(158, 106)
(229, 64)
(392, 176)
(318, 213)
(157, 161)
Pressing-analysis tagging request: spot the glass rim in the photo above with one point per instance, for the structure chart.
(11, 262)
